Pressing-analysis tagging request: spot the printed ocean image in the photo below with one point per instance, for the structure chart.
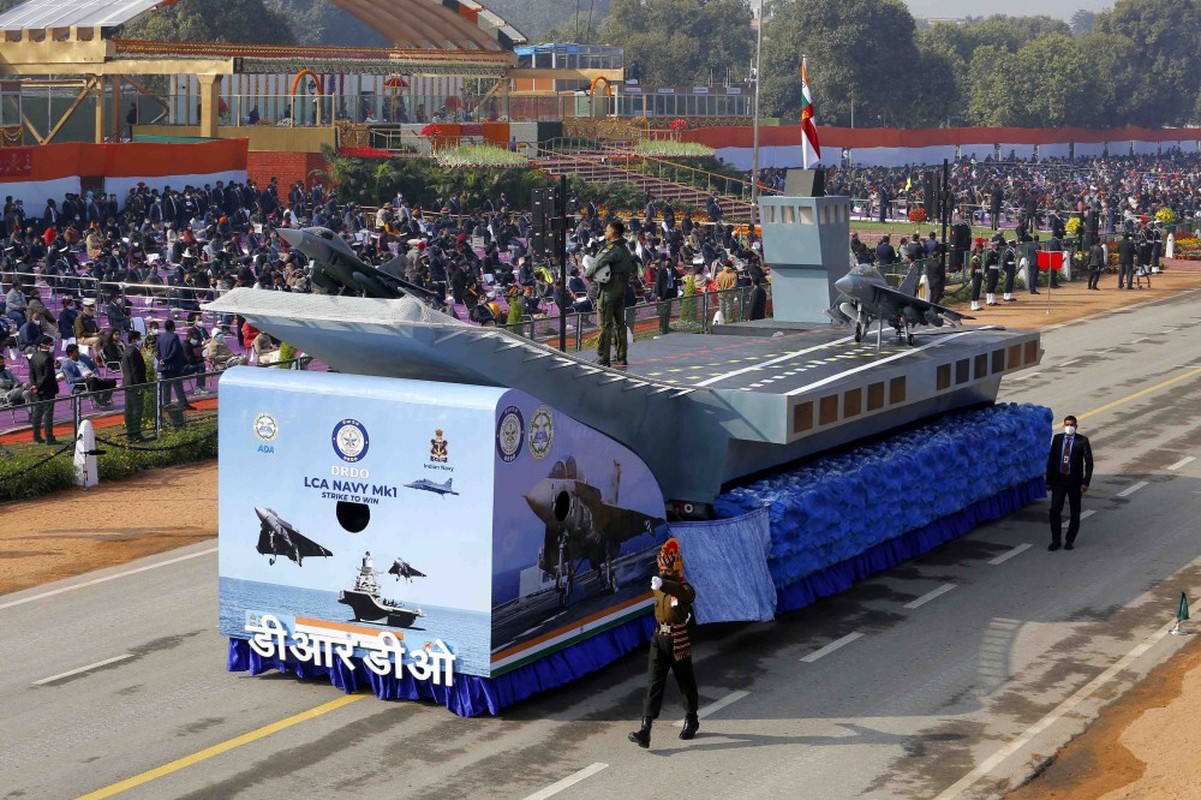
(467, 633)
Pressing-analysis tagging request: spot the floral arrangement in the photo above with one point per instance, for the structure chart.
(1165, 216)
(673, 150)
(431, 131)
(678, 125)
(1073, 226)
(917, 215)
(479, 155)
(363, 152)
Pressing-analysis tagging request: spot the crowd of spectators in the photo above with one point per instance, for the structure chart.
(95, 254)
(996, 193)
(102, 261)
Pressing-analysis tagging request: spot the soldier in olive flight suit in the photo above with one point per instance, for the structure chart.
(611, 311)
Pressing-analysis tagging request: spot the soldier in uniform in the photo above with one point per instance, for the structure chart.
(1009, 263)
(671, 649)
(611, 303)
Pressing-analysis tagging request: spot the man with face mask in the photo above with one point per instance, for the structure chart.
(1069, 470)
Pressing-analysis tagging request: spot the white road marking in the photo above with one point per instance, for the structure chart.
(1069, 362)
(1129, 490)
(773, 361)
(1140, 340)
(1183, 462)
(926, 598)
(1001, 559)
(569, 781)
(1024, 375)
(1086, 514)
(79, 670)
(831, 647)
(1064, 708)
(717, 705)
(878, 362)
(105, 579)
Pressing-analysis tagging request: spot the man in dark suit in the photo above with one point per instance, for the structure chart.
(1069, 471)
(43, 390)
(133, 378)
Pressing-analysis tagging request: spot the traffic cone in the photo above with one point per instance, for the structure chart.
(1181, 616)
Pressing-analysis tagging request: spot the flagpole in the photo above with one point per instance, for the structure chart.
(755, 145)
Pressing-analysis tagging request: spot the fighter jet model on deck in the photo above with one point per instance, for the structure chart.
(403, 569)
(581, 525)
(334, 265)
(278, 538)
(866, 297)
(441, 489)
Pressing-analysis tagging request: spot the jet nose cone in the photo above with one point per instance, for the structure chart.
(262, 513)
(291, 236)
(843, 284)
(539, 502)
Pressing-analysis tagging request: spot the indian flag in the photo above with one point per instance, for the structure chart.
(811, 149)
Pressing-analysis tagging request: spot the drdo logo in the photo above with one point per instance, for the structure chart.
(350, 440)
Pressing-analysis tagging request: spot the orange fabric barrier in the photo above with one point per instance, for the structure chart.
(134, 159)
(784, 135)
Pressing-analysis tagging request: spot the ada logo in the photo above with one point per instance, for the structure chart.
(439, 448)
(350, 440)
(542, 433)
(266, 428)
(510, 434)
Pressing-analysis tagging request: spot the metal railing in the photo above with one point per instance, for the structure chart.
(157, 408)
(693, 313)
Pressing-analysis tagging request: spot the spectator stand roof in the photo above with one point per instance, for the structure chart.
(43, 14)
(408, 24)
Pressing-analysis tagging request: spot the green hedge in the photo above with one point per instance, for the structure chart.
(27, 473)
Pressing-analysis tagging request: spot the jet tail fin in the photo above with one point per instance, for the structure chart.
(449, 481)
(909, 285)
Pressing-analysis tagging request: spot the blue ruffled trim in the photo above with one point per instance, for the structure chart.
(838, 578)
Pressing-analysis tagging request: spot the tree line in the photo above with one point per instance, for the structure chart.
(870, 62)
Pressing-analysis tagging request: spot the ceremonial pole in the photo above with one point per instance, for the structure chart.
(755, 145)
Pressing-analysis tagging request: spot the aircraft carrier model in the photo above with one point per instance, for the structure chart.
(701, 411)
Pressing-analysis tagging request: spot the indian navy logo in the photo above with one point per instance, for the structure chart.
(510, 431)
(350, 440)
(266, 428)
(542, 433)
(439, 448)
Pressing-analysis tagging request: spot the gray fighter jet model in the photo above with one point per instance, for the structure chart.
(582, 526)
(865, 296)
(334, 265)
(440, 489)
(403, 569)
(278, 538)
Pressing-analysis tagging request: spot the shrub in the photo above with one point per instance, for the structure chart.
(31, 473)
(917, 215)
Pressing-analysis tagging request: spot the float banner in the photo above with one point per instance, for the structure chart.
(420, 528)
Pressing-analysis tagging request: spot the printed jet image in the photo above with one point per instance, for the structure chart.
(278, 538)
(581, 525)
(441, 489)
